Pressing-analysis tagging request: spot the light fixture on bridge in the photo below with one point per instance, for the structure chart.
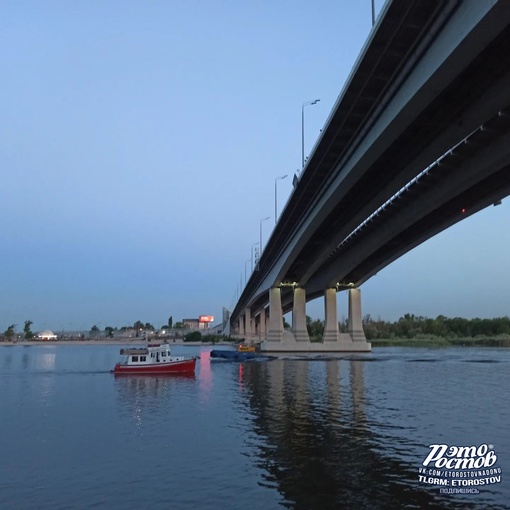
(289, 284)
(345, 284)
(308, 103)
(252, 257)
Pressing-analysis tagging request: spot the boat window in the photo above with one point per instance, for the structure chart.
(163, 354)
(134, 358)
(143, 358)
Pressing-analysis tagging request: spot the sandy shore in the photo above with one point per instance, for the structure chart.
(123, 341)
(67, 342)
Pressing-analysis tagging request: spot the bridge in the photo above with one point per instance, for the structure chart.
(416, 142)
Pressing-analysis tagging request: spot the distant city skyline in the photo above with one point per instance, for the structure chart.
(139, 150)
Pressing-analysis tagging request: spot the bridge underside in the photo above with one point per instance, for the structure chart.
(417, 141)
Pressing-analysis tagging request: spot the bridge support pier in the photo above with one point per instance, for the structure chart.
(331, 316)
(247, 323)
(279, 340)
(262, 324)
(299, 316)
(355, 325)
(275, 331)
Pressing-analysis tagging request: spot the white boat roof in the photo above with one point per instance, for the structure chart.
(140, 351)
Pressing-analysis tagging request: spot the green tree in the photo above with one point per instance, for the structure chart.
(27, 331)
(315, 328)
(9, 332)
(138, 327)
(108, 331)
(194, 336)
(170, 322)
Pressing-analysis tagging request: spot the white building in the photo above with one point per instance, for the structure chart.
(46, 335)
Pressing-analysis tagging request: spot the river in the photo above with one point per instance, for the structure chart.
(304, 434)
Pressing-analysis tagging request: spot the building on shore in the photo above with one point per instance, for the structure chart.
(202, 323)
(46, 335)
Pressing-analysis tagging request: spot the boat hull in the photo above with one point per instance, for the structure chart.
(235, 355)
(173, 367)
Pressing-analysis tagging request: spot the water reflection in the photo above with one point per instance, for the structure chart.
(45, 360)
(149, 387)
(315, 444)
(7, 358)
(205, 376)
(141, 397)
(46, 388)
(25, 360)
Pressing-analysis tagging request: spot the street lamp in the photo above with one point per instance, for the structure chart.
(315, 101)
(252, 246)
(275, 196)
(261, 221)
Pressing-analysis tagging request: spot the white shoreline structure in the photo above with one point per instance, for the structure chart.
(46, 335)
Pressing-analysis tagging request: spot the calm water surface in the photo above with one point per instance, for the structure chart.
(287, 433)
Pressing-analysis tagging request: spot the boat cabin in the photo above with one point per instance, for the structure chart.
(152, 354)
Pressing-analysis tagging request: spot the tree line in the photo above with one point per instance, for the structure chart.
(408, 326)
(413, 326)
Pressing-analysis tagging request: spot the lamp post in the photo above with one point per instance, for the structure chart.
(373, 13)
(252, 246)
(315, 101)
(275, 197)
(246, 272)
(261, 221)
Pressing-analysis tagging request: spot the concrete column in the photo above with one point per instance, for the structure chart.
(275, 329)
(299, 315)
(241, 326)
(262, 324)
(355, 325)
(331, 316)
(247, 323)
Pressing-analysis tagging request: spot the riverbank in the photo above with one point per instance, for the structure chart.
(386, 342)
(503, 341)
(124, 341)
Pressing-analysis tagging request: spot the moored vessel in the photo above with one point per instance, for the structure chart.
(153, 359)
(246, 348)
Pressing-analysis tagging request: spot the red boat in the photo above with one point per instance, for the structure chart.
(153, 359)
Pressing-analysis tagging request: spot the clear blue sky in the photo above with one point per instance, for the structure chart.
(139, 144)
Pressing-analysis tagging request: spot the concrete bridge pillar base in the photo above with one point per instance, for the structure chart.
(275, 329)
(280, 341)
(288, 344)
(355, 324)
(299, 316)
(262, 324)
(247, 323)
(331, 316)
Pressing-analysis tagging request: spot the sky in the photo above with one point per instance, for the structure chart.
(139, 147)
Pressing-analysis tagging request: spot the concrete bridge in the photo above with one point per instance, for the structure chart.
(417, 141)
